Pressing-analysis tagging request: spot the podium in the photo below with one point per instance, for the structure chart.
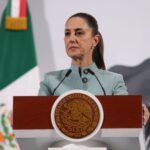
(121, 129)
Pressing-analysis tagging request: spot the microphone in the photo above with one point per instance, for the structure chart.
(66, 75)
(92, 73)
(80, 73)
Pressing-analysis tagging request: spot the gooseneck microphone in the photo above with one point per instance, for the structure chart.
(66, 75)
(80, 73)
(92, 73)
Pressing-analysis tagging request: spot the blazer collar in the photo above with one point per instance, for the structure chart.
(92, 67)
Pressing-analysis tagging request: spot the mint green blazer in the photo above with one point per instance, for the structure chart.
(112, 83)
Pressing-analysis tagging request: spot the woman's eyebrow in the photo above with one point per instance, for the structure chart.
(76, 29)
(67, 29)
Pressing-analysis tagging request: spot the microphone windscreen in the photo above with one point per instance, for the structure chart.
(68, 72)
(90, 71)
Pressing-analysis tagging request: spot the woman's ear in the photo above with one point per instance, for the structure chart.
(96, 40)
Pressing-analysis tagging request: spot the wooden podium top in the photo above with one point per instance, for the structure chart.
(33, 112)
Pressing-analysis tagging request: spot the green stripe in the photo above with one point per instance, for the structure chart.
(8, 8)
(17, 52)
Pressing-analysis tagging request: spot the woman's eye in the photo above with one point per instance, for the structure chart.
(79, 33)
(67, 33)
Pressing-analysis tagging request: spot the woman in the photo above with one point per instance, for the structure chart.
(84, 45)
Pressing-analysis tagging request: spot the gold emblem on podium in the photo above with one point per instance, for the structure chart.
(77, 115)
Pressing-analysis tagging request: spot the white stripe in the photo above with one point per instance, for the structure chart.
(103, 133)
(15, 8)
(27, 84)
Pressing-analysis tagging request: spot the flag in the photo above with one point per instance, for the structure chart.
(7, 137)
(16, 15)
(138, 82)
(136, 78)
(19, 73)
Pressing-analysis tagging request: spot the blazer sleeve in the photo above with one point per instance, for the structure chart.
(44, 88)
(119, 87)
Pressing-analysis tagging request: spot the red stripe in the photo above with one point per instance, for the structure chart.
(22, 8)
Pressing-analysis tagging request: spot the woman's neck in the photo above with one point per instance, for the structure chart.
(82, 63)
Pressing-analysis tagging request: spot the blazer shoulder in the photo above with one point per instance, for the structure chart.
(118, 84)
(56, 73)
(111, 74)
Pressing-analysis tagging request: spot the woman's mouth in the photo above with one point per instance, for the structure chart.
(73, 47)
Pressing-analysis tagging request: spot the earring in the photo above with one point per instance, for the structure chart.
(93, 47)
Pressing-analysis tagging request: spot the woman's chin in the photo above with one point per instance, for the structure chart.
(76, 56)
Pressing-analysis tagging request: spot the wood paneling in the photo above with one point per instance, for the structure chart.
(33, 112)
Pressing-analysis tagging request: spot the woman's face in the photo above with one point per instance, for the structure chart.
(79, 40)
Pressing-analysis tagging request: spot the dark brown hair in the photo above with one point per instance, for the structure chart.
(98, 52)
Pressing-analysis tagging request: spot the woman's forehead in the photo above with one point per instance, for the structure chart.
(76, 22)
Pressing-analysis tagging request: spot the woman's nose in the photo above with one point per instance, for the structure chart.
(72, 38)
